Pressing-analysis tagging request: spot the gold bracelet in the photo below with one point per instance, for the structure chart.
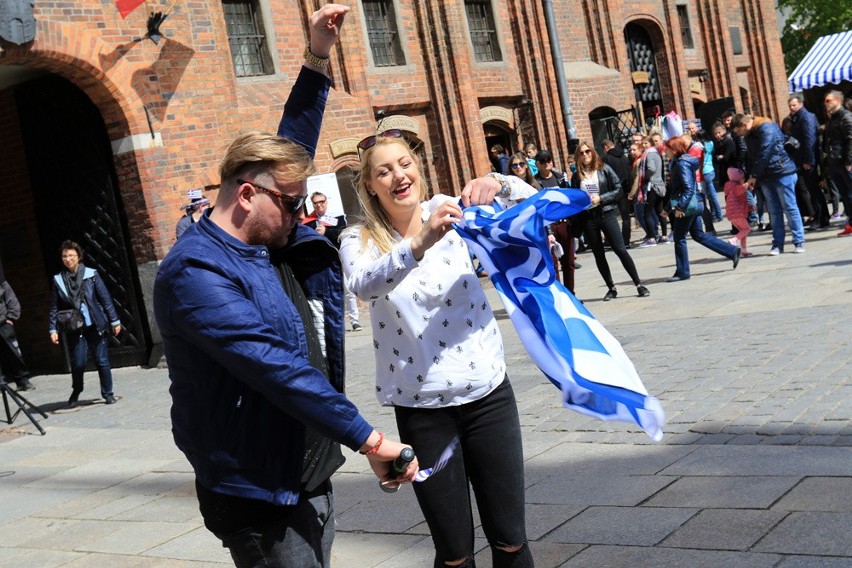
(321, 62)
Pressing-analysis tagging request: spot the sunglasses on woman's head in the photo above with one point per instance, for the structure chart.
(370, 141)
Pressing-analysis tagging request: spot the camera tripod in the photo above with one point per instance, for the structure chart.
(23, 405)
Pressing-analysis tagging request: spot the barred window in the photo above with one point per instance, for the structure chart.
(685, 30)
(483, 32)
(249, 48)
(382, 32)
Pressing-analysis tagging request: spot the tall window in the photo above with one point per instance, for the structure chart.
(249, 48)
(685, 30)
(382, 32)
(483, 32)
(736, 40)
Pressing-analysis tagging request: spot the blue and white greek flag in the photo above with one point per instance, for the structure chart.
(562, 337)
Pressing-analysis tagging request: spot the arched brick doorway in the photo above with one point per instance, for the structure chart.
(71, 174)
(649, 66)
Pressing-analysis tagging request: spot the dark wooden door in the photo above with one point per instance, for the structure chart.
(76, 197)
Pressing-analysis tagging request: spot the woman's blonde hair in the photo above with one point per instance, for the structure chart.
(258, 153)
(376, 223)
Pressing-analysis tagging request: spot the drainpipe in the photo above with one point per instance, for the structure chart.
(556, 54)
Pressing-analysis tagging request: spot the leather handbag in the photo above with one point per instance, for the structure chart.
(69, 320)
(691, 207)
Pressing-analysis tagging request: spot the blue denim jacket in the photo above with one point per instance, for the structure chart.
(242, 386)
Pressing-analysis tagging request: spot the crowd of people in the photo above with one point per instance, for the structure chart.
(790, 171)
(250, 304)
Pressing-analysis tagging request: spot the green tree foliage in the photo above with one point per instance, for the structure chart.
(809, 20)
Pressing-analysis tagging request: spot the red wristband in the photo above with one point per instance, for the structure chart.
(375, 448)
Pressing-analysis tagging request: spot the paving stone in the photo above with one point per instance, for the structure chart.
(724, 529)
(814, 562)
(763, 460)
(819, 494)
(198, 545)
(623, 556)
(593, 490)
(810, 533)
(643, 526)
(734, 492)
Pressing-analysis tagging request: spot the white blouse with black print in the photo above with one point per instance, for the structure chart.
(434, 334)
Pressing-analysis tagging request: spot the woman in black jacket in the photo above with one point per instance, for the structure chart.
(604, 188)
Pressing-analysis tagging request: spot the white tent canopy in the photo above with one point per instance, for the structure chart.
(828, 61)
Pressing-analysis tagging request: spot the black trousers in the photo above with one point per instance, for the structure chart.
(608, 224)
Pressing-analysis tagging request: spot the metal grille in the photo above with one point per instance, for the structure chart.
(381, 30)
(483, 32)
(622, 126)
(685, 30)
(642, 58)
(249, 50)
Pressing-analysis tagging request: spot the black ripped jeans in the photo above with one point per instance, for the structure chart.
(489, 458)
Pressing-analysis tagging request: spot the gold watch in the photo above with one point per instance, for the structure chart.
(321, 62)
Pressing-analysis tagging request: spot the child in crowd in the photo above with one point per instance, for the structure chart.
(737, 208)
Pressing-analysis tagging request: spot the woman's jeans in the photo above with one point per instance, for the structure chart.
(780, 195)
(653, 208)
(712, 198)
(489, 458)
(89, 339)
(692, 224)
(608, 223)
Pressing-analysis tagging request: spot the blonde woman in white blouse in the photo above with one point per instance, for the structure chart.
(439, 353)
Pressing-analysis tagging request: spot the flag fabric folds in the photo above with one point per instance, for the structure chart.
(573, 349)
(127, 6)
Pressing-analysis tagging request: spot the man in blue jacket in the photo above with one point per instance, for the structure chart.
(804, 129)
(249, 371)
(771, 166)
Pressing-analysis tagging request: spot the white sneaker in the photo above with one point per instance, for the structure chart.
(775, 251)
(799, 248)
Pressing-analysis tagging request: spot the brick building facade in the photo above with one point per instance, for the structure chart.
(103, 131)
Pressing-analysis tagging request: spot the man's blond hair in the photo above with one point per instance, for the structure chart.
(255, 153)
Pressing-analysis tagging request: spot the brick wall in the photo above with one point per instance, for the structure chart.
(185, 90)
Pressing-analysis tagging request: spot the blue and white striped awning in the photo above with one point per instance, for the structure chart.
(828, 61)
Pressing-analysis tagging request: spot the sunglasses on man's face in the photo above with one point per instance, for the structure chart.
(370, 141)
(290, 203)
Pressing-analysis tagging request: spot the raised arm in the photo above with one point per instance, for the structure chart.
(305, 106)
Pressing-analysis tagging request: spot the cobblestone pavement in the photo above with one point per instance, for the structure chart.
(751, 366)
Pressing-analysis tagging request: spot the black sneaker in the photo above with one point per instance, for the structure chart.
(109, 399)
(642, 291)
(610, 295)
(25, 385)
(356, 327)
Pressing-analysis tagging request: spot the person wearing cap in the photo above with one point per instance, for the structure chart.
(192, 211)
